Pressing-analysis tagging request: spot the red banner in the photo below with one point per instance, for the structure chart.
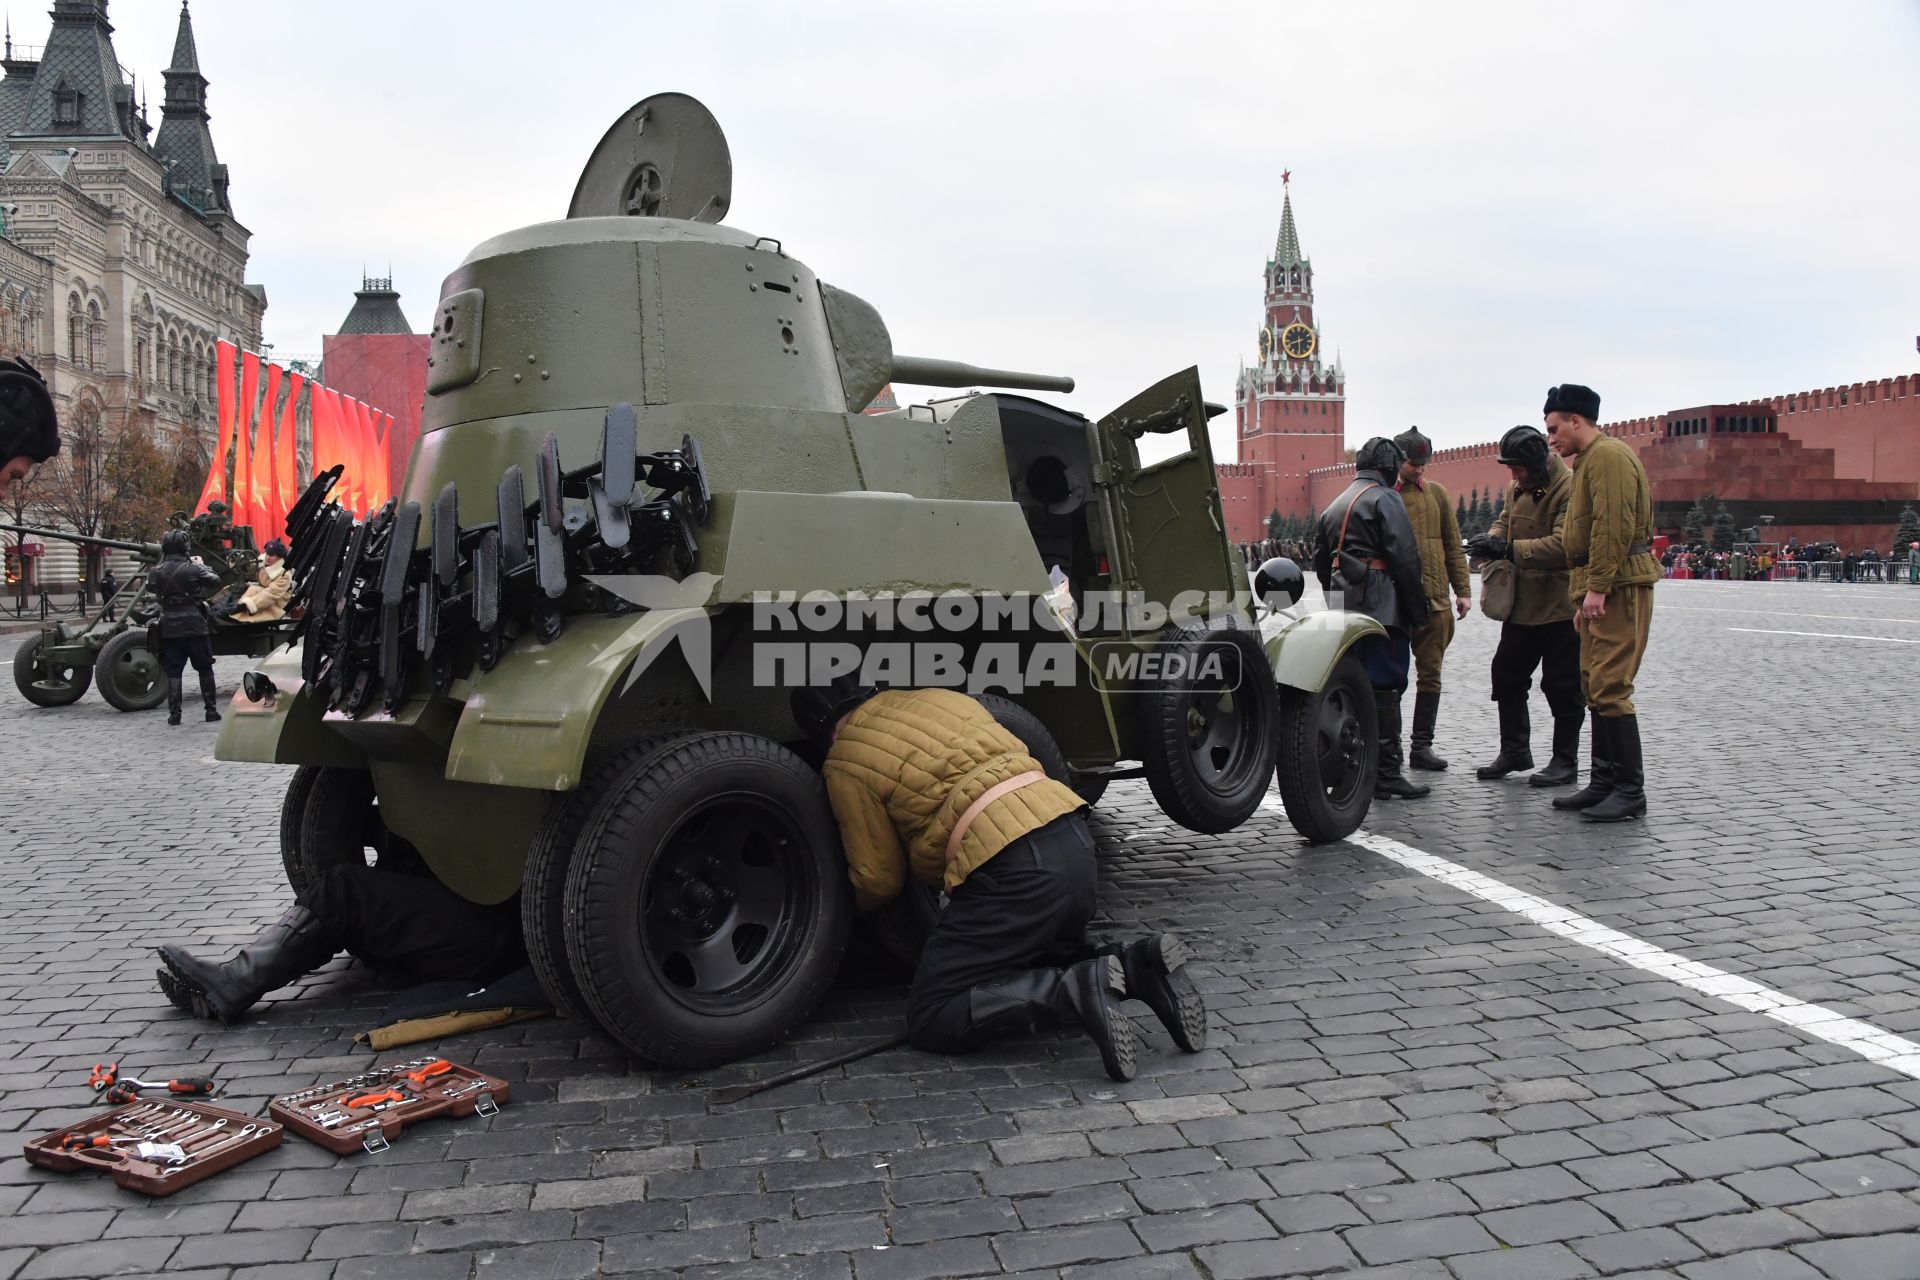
(286, 453)
(266, 463)
(242, 500)
(216, 485)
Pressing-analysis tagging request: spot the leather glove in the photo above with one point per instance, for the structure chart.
(1484, 546)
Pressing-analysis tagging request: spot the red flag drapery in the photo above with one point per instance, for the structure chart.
(386, 458)
(242, 500)
(287, 454)
(216, 485)
(356, 477)
(266, 465)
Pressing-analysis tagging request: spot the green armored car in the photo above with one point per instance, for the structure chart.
(646, 502)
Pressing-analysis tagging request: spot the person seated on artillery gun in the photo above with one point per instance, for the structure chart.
(927, 779)
(266, 600)
(29, 427)
(182, 586)
(405, 926)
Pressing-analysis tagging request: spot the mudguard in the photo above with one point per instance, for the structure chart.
(1303, 650)
(528, 722)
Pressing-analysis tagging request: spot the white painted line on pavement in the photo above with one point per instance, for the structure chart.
(1774, 613)
(1822, 635)
(1870, 1042)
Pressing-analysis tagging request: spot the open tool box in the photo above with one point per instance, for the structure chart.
(368, 1111)
(156, 1147)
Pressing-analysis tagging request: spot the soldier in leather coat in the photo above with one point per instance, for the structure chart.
(182, 586)
(1368, 561)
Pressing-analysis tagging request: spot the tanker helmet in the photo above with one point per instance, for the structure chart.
(1523, 447)
(817, 710)
(1379, 454)
(29, 427)
(175, 543)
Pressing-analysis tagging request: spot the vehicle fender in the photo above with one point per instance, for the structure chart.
(1303, 650)
(286, 728)
(527, 722)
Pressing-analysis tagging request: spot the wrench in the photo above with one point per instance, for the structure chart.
(207, 1152)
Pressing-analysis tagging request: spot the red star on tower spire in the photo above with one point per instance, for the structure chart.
(1286, 175)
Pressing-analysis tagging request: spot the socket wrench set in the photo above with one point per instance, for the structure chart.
(156, 1147)
(369, 1111)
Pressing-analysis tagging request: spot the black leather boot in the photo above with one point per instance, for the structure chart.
(1600, 773)
(1087, 996)
(1629, 798)
(1516, 742)
(1388, 782)
(1564, 768)
(1155, 969)
(1426, 714)
(206, 696)
(297, 943)
(173, 699)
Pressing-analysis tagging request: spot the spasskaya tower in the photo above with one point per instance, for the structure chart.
(1290, 407)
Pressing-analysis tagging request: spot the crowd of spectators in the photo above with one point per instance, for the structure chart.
(1793, 562)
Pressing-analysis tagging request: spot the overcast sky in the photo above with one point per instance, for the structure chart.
(1676, 203)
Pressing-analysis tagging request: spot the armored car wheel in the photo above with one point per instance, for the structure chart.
(543, 884)
(293, 812)
(1329, 750)
(45, 686)
(708, 902)
(340, 826)
(128, 674)
(902, 926)
(1210, 729)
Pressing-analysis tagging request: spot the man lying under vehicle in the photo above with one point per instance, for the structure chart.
(926, 780)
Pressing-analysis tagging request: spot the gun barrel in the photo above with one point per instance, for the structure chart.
(85, 540)
(926, 372)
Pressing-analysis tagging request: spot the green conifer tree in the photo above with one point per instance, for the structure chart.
(1907, 533)
(1693, 531)
(1724, 533)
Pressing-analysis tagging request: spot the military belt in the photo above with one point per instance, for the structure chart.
(1637, 549)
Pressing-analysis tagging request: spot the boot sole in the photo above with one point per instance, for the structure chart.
(198, 1004)
(1535, 781)
(178, 994)
(1440, 767)
(1588, 815)
(1189, 1026)
(1124, 1060)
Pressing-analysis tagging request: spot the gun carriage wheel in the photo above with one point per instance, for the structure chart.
(43, 683)
(128, 674)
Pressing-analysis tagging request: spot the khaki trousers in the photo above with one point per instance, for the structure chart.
(1430, 641)
(1611, 648)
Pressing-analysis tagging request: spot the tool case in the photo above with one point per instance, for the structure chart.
(156, 1147)
(369, 1111)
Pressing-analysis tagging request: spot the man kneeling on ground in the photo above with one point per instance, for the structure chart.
(412, 928)
(927, 778)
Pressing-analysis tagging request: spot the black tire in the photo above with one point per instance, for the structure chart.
(57, 688)
(293, 812)
(1209, 735)
(1329, 752)
(341, 826)
(128, 675)
(543, 884)
(903, 925)
(708, 903)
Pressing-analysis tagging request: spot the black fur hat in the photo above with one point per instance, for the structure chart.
(28, 425)
(1571, 397)
(816, 710)
(275, 547)
(1418, 448)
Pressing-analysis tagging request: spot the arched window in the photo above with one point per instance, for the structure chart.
(76, 333)
(140, 366)
(96, 337)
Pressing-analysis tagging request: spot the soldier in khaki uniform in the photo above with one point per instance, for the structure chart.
(1609, 545)
(1538, 630)
(1442, 563)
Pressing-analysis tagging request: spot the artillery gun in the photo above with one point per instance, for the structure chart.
(110, 648)
(542, 668)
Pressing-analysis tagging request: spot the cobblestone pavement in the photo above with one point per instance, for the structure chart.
(1405, 1078)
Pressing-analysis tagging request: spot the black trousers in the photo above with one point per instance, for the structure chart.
(414, 927)
(1386, 659)
(1026, 907)
(1553, 647)
(175, 654)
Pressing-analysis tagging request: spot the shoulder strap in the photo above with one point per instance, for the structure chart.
(1341, 545)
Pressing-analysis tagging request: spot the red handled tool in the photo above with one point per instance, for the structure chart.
(90, 1141)
(119, 1089)
(373, 1099)
(428, 1072)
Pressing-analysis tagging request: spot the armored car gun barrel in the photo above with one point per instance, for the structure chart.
(925, 372)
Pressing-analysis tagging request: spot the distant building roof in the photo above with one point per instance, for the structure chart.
(376, 308)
